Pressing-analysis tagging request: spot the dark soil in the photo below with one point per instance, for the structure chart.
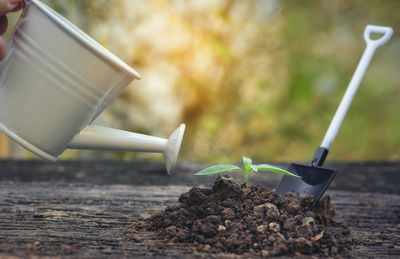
(254, 221)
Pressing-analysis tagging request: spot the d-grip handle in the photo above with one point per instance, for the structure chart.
(351, 90)
(386, 31)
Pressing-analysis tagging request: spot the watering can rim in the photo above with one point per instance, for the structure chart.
(26, 144)
(83, 38)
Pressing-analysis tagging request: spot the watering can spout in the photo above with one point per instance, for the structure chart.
(103, 138)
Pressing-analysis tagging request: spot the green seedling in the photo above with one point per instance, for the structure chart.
(249, 169)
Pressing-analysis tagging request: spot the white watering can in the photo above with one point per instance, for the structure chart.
(55, 80)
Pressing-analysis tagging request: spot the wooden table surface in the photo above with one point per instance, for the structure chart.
(84, 208)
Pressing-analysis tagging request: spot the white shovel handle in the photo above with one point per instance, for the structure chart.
(372, 45)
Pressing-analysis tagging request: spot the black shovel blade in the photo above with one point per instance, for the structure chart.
(314, 180)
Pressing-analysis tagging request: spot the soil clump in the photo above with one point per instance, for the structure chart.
(247, 220)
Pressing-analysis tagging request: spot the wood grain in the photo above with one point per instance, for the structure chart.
(64, 217)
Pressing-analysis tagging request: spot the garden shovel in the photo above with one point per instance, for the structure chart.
(315, 178)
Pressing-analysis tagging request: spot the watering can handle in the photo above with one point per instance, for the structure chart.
(369, 51)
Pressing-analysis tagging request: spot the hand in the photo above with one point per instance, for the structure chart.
(7, 6)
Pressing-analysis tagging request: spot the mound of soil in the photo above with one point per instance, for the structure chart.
(233, 218)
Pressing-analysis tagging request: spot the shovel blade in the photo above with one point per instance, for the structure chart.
(314, 180)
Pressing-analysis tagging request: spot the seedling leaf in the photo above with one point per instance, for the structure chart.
(272, 168)
(254, 168)
(249, 169)
(247, 162)
(217, 169)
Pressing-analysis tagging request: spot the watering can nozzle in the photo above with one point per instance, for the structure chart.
(172, 148)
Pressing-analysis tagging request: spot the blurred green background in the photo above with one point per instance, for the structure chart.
(261, 78)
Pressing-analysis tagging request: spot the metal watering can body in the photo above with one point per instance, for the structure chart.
(55, 80)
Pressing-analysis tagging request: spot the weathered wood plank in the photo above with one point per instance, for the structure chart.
(382, 177)
(370, 216)
(47, 219)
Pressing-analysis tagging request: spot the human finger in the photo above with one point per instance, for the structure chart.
(2, 49)
(3, 24)
(7, 6)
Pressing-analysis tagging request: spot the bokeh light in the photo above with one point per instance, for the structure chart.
(260, 78)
